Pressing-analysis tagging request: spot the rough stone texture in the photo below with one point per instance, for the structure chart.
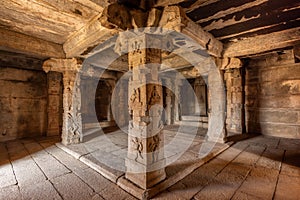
(145, 160)
(23, 103)
(10, 193)
(54, 80)
(72, 122)
(234, 86)
(288, 187)
(272, 96)
(43, 190)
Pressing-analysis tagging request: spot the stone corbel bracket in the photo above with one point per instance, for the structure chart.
(62, 65)
(229, 63)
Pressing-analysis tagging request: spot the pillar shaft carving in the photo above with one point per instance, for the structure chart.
(234, 121)
(200, 91)
(177, 102)
(169, 96)
(72, 122)
(145, 160)
(54, 80)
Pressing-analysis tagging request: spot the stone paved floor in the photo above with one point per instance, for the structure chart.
(257, 168)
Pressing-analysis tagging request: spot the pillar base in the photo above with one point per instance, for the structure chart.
(145, 176)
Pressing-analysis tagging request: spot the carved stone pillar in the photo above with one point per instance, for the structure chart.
(234, 121)
(54, 80)
(121, 106)
(169, 95)
(217, 131)
(145, 161)
(72, 122)
(177, 102)
(234, 94)
(111, 84)
(200, 91)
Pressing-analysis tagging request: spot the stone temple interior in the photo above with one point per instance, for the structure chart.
(149, 99)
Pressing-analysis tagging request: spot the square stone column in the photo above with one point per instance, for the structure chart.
(54, 80)
(233, 77)
(72, 122)
(200, 91)
(234, 85)
(145, 160)
(169, 95)
(177, 102)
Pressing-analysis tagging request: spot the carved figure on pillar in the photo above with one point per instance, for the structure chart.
(72, 122)
(145, 160)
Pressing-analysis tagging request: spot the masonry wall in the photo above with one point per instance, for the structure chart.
(272, 95)
(23, 101)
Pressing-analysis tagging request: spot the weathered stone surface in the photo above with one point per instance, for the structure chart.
(72, 121)
(6, 171)
(33, 176)
(272, 97)
(50, 166)
(43, 190)
(271, 158)
(262, 43)
(10, 193)
(22, 103)
(19, 43)
(66, 159)
(21, 61)
(288, 187)
(260, 183)
(95, 180)
(68, 186)
(291, 163)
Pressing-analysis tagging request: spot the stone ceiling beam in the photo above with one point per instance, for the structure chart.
(262, 43)
(88, 37)
(20, 43)
(162, 3)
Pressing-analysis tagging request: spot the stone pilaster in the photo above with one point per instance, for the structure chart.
(54, 80)
(111, 83)
(233, 77)
(169, 95)
(200, 91)
(217, 131)
(177, 101)
(145, 161)
(72, 122)
(122, 105)
(234, 85)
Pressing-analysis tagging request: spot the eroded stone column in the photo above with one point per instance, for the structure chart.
(111, 84)
(145, 162)
(121, 106)
(177, 102)
(72, 122)
(54, 80)
(217, 131)
(234, 85)
(169, 95)
(200, 91)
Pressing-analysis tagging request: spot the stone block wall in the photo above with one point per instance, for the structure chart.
(272, 96)
(23, 103)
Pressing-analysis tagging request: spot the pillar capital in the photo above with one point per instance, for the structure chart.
(62, 65)
(228, 63)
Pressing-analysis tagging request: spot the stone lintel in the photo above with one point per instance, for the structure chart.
(62, 65)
